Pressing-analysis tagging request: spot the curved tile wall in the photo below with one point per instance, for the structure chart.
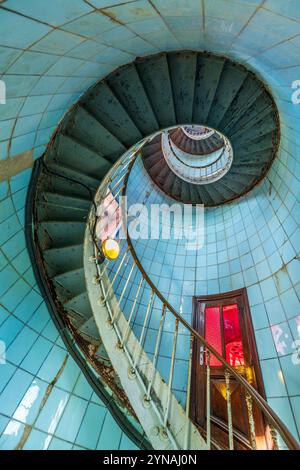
(45, 400)
(50, 53)
(252, 243)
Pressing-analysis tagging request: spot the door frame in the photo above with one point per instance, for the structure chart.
(197, 398)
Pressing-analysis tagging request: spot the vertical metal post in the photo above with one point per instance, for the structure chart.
(171, 375)
(123, 292)
(144, 328)
(228, 398)
(208, 424)
(188, 396)
(251, 421)
(116, 274)
(157, 345)
(126, 332)
(274, 437)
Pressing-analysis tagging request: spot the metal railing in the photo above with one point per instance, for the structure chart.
(197, 174)
(275, 429)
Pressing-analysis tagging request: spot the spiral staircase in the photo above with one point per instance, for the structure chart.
(87, 157)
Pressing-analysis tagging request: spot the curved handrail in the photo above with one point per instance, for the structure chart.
(198, 167)
(267, 411)
(260, 401)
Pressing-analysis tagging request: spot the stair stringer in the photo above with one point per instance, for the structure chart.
(149, 414)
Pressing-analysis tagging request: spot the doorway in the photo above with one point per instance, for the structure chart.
(224, 321)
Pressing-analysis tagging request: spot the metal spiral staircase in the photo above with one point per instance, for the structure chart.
(163, 91)
(166, 422)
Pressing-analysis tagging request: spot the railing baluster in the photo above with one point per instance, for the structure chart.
(208, 424)
(126, 332)
(228, 399)
(188, 395)
(122, 166)
(274, 437)
(122, 293)
(118, 173)
(156, 350)
(166, 416)
(251, 421)
(115, 276)
(141, 339)
(118, 182)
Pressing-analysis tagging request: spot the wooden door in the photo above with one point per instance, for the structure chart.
(224, 321)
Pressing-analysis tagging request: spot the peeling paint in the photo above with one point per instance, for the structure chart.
(28, 428)
(12, 166)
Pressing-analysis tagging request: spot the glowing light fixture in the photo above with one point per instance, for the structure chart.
(110, 249)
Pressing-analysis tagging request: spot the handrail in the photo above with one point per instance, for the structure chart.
(199, 167)
(260, 401)
(265, 408)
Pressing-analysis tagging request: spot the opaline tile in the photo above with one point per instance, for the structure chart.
(51, 413)
(69, 375)
(295, 402)
(72, 418)
(37, 440)
(273, 378)
(291, 370)
(14, 392)
(9, 329)
(18, 31)
(110, 435)
(59, 444)
(265, 344)
(55, 13)
(83, 388)
(91, 426)
(21, 345)
(282, 408)
(57, 42)
(130, 12)
(7, 371)
(90, 25)
(29, 406)
(11, 435)
(37, 355)
(52, 364)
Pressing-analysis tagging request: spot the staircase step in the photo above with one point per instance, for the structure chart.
(81, 305)
(129, 90)
(87, 129)
(107, 109)
(77, 155)
(50, 211)
(207, 79)
(90, 329)
(67, 200)
(70, 284)
(159, 92)
(241, 103)
(74, 174)
(182, 68)
(230, 84)
(61, 260)
(58, 234)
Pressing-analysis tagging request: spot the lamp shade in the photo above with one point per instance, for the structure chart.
(110, 249)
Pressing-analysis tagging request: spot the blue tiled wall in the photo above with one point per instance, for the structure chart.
(45, 400)
(252, 243)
